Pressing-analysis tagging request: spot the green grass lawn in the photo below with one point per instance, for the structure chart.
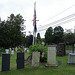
(69, 47)
(63, 69)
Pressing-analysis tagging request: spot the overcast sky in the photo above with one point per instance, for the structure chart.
(47, 11)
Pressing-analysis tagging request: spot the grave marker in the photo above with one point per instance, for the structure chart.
(10, 49)
(7, 51)
(71, 59)
(20, 60)
(12, 52)
(16, 49)
(5, 62)
(61, 49)
(51, 61)
(35, 59)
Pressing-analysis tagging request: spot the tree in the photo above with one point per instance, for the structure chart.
(11, 33)
(29, 40)
(69, 38)
(58, 34)
(49, 35)
(38, 38)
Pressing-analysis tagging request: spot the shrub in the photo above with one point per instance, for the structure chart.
(39, 48)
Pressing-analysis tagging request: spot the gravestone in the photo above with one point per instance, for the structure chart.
(59, 62)
(25, 49)
(61, 49)
(35, 59)
(20, 60)
(7, 51)
(12, 52)
(10, 49)
(16, 49)
(5, 62)
(51, 56)
(71, 59)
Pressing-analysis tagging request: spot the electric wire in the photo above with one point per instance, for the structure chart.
(58, 22)
(61, 12)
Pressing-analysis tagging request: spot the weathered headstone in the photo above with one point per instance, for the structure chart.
(51, 61)
(35, 59)
(5, 62)
(20, 60)
(12, 52)
(16, 49)
(59, 62)
(71, 59)
(7, 51)
(10, 49)
(25, 49)
(61, 49)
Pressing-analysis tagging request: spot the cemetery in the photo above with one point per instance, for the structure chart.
(22, 54)
(55, 65)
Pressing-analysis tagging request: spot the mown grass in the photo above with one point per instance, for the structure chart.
(69, 47)
(63, 69)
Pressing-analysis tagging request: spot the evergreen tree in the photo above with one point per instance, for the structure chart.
(58, 34)
(49, 35)
(38, 38)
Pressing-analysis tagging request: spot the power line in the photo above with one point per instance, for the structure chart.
(61, 12)
(58, 23)
(70, 20)
(60, 20)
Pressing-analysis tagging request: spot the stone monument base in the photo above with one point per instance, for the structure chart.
(51, 65)
(71, 59)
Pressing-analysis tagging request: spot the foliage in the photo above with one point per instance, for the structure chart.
(2, 49)
(10, 30)
(29, 40)
(54, 35)
(39, 48)
(70, 38)
(38, 38)
(49, 35)
(43, 39)
(58, 34)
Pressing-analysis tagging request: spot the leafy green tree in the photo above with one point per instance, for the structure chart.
(49, 35)
(43, 39)
(58, 34)
(38, 38)
(11, 31)
(15, 23)
(29, 40)
(70, 38)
